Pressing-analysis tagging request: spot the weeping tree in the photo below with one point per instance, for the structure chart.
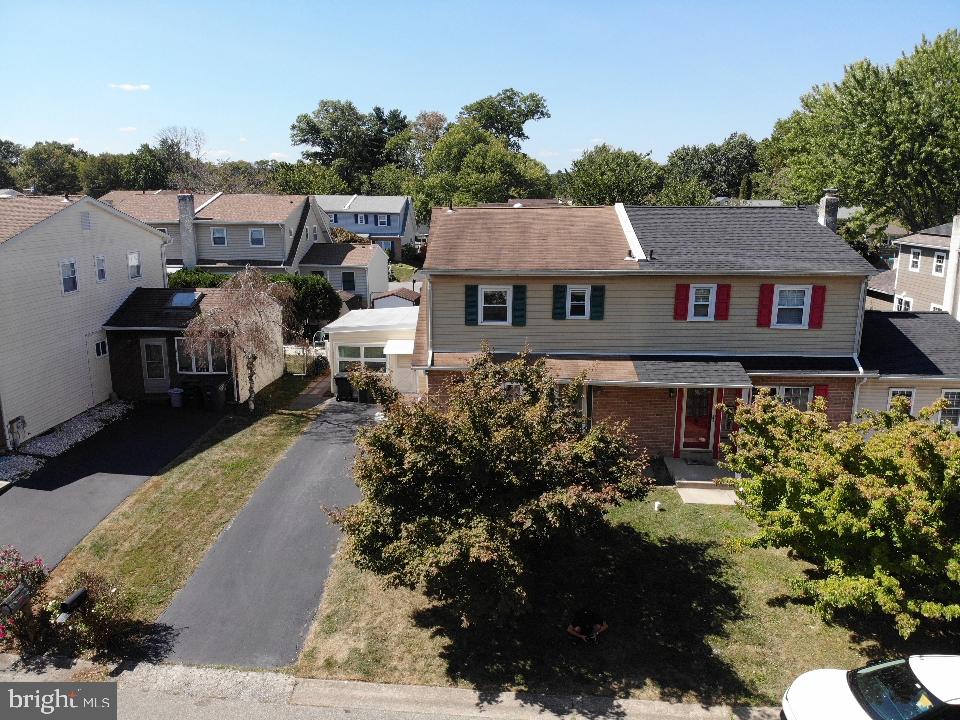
(247, 319)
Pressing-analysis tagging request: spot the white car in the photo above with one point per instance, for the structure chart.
(921, 687)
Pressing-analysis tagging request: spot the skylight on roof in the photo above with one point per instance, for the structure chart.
(184, 299)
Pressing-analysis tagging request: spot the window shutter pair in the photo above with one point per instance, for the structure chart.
(818, 301)
(681, 302)
(598, 297)
(471, 305)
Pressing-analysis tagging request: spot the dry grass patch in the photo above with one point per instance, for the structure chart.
(154, 541)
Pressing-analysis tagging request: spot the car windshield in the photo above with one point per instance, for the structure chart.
(890, 691)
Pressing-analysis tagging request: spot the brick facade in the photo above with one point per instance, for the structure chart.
(650, 414)
(839, 395)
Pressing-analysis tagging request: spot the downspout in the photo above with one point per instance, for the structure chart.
(856, 351)
(953, 266)
(163, 261)
(856, 388)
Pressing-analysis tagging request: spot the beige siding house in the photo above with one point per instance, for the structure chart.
(361, 270)
(66, 264)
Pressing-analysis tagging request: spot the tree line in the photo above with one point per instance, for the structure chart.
(887, 136)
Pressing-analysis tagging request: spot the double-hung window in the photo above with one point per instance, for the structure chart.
(133, 265)
(361, 219)
(316, 234)
(903, 303)
(703, 301)
(382, 221)
(900, 392)
(915, 260)
(256, 237)
(68, 276)
(211, 362)
(791, 306)
(218, 236)
(799, 397)
(101, 348)
(101, 264)
(350, 357)
(578, 302)
(495, 305)
(939, 263)
(348, 279)
(951, 413)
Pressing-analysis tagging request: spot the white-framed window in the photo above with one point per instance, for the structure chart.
(218, 236)
(939, 263)
(495, 305)
(85, 222)
(382, 221)
(100, 263)
(361, 219)
(386, 246)
(101, 348)
(213, 362)
(68, 276)
(134, 268)
(900, 392)
(935, 308)
(578, 302)
(332, 217)
(256, 237)
(798, 396)
(791, 306)
(351, 356)
(703, 301)
(902, 303)
(951, 413)
(316, 234)
(915, 260)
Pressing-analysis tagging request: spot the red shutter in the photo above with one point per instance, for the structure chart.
(817, 303)
(821, 391)
(681, 301)
(722, 310)
(765, 308)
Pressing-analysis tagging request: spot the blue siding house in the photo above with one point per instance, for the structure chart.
(388, 220)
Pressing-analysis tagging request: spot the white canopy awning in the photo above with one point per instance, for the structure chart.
(398, 347)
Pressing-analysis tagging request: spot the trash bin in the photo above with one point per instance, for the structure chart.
(176, 397)
(215, 397)
(344, 388)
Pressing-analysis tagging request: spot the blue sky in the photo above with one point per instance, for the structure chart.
(640, 75)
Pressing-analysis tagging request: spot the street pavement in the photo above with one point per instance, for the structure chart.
(251, 601)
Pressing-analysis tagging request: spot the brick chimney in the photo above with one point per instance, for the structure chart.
(188, 238)
(827, 212)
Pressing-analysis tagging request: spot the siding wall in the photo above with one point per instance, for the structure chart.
(923, 287)
(238, 243)
(875, 392)
(345, 221)
(372, 337)
(314, 218)
(174, 249)
(638, 318)
(335, 276)
(44, 368)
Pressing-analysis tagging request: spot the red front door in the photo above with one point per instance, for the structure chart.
(698, 418)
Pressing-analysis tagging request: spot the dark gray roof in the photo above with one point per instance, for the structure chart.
(911, 343)
(885, 283)
(710, 239)
(151, 308)
(936, 236)
(945, 229)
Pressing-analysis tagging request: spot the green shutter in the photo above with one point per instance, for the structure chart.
(597, 296)
(559, 302)
(519, 313)
(470, 304)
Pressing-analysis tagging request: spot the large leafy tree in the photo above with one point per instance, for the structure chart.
(720, 167)
(10, 153)
(313, 303)
(462, 498)
(875, 505)
(144, 170)
(101, 173)
(51, 167)
(506, 113)
(307, 178)
(887, 136)
(605, 175)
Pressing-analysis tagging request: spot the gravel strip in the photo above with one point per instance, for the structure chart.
(76, 429)
(13, 467)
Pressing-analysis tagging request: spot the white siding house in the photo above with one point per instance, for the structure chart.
(66, 264)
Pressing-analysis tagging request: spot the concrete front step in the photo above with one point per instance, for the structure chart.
(707, 484)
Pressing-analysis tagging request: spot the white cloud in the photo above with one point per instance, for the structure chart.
(243, 139)
(130, 87)
(277, 156)
(127, 129)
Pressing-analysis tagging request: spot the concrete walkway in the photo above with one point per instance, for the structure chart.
(251, 601)
(173, 691)
(53, 509)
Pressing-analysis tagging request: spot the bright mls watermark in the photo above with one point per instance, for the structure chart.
(81, 701)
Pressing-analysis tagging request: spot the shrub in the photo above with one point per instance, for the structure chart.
(14, 569)
(187, 278)
(314, 302)
(102, 623)
(410, 255)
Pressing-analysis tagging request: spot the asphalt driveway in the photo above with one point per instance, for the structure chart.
(48, 513)
(252, 599)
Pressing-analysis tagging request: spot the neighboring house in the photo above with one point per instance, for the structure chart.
(399, 297)
(669, 311)
(354, 268)
(914, 354)
(148, 355)
(66, 264)
(881, 290)
(925, 272)
(388, 220)
(381, 339)
(224, 233)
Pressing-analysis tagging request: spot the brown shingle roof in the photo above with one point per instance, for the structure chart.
(24, 211)
(251, 207)
(346, 254)
(150, 308)
(402, 292)
(579, 238)
(151, 206)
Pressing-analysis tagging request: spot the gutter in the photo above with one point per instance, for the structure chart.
(641, 270)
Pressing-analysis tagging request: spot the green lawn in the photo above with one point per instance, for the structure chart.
(694, 616)
(154, 541)
(403, 273)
